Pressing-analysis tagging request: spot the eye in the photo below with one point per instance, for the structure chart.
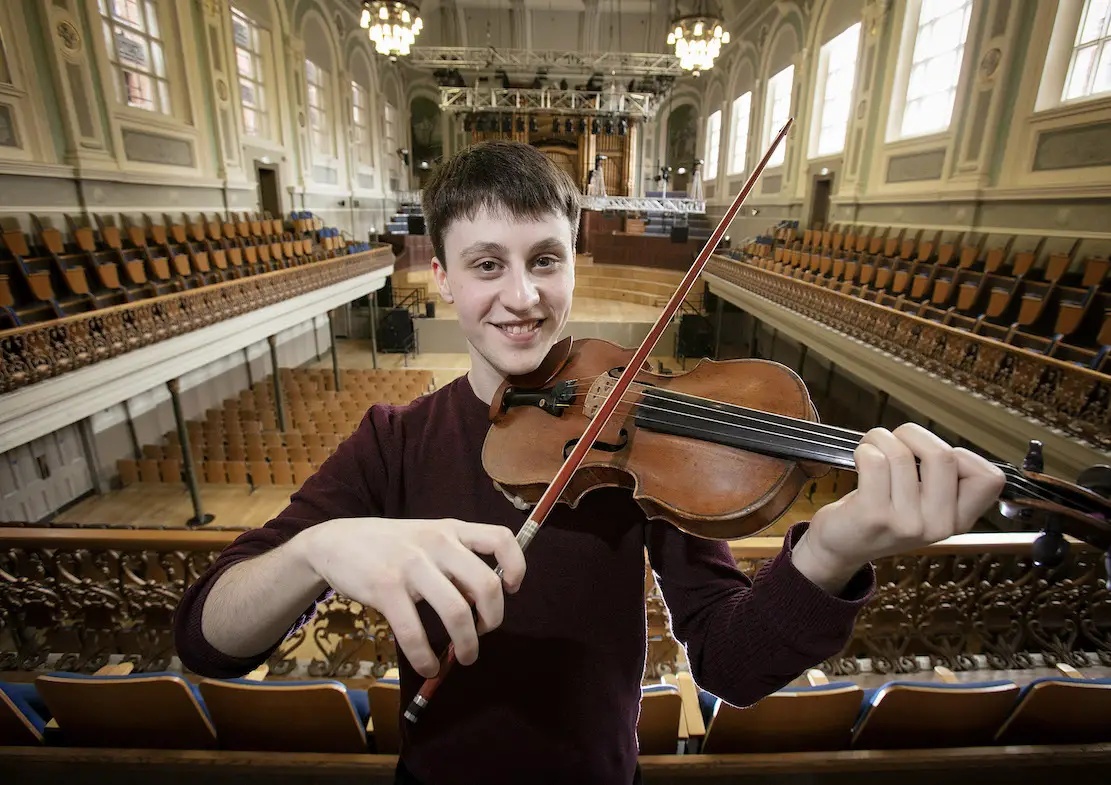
(488, 266)
(546, 261)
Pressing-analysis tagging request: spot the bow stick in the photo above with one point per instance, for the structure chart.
(536, 518)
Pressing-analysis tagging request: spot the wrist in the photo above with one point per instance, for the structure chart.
(307, 551)
(821, 567)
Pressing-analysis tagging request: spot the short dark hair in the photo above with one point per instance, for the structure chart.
(497, 175)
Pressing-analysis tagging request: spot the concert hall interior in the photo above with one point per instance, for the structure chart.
(215, 261)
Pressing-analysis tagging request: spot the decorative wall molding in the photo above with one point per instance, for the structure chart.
(61, 372)
(1000, 396)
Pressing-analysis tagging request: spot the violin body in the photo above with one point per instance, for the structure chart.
(708, 489)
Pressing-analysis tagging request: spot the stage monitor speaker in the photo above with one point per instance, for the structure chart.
(696, 336)
(395, 332)
(416, 224)
(679, 234)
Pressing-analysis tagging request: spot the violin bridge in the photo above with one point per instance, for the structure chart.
(597, 394)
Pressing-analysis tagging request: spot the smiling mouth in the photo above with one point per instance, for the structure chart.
(521, 329)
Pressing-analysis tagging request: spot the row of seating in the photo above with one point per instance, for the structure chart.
(1070, 322)
(163, 710)
(256, 473)
(50, 277)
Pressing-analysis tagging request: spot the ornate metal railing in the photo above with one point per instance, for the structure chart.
(548, 100)
(36, 352)
(71, 598)
(1059, 393)
(644, 204)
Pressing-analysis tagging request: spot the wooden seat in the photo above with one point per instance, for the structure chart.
(818, 717)
(298, 716)
(1057, 710)
(23, 715)
(908, 714)
(661, 707)
(385, 714)
(140, 711)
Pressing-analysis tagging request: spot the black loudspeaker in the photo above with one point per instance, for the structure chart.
(416, 224)
(395, 332)
(696, 336)
(679, 234)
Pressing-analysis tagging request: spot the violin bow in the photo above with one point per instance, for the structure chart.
(540, 512)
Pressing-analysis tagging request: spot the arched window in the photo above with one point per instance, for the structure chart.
(833, 94)
(251, 70)
(713, 146)
(316, 82)
(1078, 63)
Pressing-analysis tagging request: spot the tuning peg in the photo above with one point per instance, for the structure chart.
(1034, 460)
(1050, 549)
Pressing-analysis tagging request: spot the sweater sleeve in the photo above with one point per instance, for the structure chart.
(748, 637)
(352, 482)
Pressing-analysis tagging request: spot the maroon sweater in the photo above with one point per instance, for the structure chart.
(554, 695)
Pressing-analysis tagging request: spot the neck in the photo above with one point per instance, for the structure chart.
(484, 378)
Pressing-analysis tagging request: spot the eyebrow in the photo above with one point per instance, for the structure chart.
(484, 247)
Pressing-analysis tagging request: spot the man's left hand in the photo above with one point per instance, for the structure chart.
(897, 505)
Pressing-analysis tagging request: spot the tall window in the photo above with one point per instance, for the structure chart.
(1090, 66)
(360, 122)
(777, 110)
(132, 35)
(738, 127)
(249, 64)
(713, 146)
(836, 79)
(391, 136)
(935, 66)
(316, 78)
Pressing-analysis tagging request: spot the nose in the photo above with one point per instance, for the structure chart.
(520, 293)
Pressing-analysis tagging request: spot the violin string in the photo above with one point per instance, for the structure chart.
(1017, 480)
(848, 438)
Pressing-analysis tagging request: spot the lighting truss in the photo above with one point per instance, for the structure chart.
(644, 204)
(574, 102)
(556, 60)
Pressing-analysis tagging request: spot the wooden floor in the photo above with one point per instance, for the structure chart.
(156, 504)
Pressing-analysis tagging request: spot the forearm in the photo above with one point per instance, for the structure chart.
(253, 603)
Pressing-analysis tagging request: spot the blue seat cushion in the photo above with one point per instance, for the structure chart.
(28, 702)
(709, 702)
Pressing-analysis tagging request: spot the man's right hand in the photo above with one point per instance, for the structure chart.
(390, 565)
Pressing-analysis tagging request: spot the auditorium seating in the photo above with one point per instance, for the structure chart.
(1049, 295)
(242, 443)
(48, 276)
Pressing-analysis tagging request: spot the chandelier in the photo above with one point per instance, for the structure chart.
(393, 25)
(698, 38)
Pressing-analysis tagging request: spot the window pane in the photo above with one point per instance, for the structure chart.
(244, 63)
(247, 93)
(935, 66)
(1076, 85)
(250, 121)
(132, 49)
(1103, 70)
(140, 92)
(164, 92)
(1093, 24)
(128, 11)
(240, 32)
(159, 60)
(152, 19)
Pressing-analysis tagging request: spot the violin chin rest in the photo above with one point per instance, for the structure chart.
(517, 501)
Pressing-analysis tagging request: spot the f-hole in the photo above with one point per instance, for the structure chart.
(603, 446)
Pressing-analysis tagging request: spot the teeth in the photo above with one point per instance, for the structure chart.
(518, 329)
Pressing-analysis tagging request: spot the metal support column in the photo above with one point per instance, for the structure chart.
(802, 359)
(250, 372)
(279, 410)
(135, 448)
(719, 314)
(374, 330)
(881, 407)
(199, 518)
(335, 354)
(92, 457)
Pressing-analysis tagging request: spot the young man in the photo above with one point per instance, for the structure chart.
(403, 519)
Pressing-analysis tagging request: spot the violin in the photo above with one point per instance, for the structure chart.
(593, 415)
(723, 450)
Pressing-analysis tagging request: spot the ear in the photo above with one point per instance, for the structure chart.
(439, 272)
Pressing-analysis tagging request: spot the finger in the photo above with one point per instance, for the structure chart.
(905, 493)
(408, 632)
(873, 481)
(499, 541)
(938, 471)
(479, 584)
(979, 485)
(454, 611)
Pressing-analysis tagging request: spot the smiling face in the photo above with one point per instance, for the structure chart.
(511, 280)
